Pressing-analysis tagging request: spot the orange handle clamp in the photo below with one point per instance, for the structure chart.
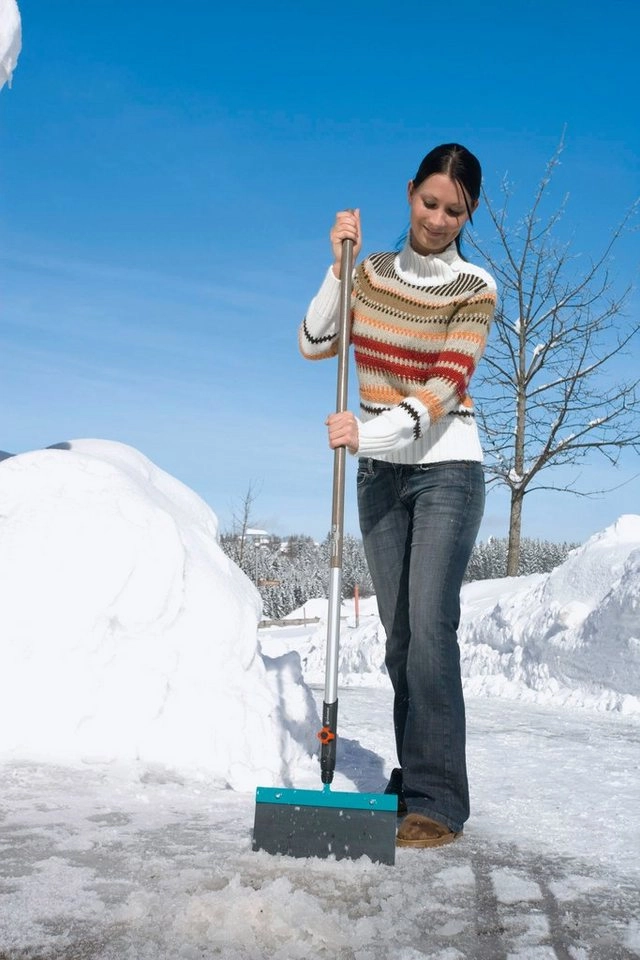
(326, 735)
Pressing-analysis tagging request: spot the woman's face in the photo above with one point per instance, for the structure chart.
(438, 213)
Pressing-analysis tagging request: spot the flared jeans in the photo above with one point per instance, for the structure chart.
(419, 524)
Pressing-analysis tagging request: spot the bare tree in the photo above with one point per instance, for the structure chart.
(235, 543)
(550, 389)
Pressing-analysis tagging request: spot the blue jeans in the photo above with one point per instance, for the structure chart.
(419, 524)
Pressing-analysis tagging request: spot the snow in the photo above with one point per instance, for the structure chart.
(130, 628)
(515, 478)
(140, 706)
(10, 39)
(570, 636)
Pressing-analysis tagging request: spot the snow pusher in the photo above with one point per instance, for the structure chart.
(322, 823)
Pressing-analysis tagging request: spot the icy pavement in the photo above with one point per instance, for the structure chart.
(102, 861)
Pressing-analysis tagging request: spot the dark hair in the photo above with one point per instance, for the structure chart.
(460, 165)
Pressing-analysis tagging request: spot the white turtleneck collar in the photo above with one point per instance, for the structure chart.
(435, 268)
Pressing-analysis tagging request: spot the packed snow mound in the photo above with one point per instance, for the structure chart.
(571, 636)
(10, 39)
(362, 642)
(127, 633)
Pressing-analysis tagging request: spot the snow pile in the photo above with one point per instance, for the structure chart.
(362, 642)
(571, 636)
(126, 631)
(10, 39)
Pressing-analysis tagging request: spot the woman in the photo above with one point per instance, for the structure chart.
(420, 320)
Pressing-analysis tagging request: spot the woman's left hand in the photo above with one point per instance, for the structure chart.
(343, 431)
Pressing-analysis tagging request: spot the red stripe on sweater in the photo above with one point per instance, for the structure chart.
(418, 374)
(390, 349)
(390, 360)
(394, 352)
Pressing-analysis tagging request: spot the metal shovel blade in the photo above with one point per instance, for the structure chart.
(321, 823)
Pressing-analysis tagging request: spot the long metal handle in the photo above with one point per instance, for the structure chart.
(328, 734)
(340, 455)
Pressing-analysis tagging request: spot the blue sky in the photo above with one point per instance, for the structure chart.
(168, 176)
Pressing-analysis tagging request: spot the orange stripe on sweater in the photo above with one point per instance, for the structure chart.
(415, 332)
(325, 355)
(433, 405)
(409, 330)
(390, 396)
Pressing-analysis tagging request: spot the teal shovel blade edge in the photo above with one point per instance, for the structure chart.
(328, 798)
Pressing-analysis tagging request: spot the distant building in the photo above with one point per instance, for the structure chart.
(261, 538)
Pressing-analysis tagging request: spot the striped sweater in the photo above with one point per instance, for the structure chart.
(419, 328)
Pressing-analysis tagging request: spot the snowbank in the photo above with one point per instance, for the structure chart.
(126, 631)
(571, 636)
(10, 39)
(362, 642)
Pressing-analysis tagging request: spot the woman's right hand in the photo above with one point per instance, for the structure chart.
(346, 227)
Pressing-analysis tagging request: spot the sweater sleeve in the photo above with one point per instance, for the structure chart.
(444, 390)
(318, 334)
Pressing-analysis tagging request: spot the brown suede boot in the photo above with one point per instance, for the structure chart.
(418, 831)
